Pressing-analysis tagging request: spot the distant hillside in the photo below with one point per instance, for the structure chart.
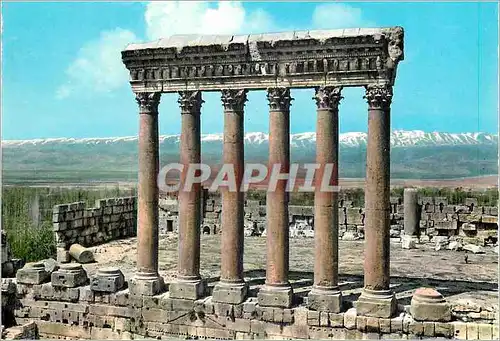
(414, 155)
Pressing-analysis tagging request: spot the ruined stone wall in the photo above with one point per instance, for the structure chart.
(110, 219)
(469, 221)
(79, 312)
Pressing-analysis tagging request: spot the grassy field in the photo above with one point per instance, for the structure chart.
(27, 215)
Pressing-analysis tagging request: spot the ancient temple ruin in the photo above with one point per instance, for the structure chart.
(324, 60)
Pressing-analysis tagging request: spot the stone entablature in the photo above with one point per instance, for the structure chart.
(295, 59)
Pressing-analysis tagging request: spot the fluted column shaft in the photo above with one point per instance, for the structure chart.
(376, 299)
(277, 291)
(147, 281)
(232, 288)
(277, 200)
(147, 215)
(233, 201)
(189, 200)
(326, 222)
(325, 295)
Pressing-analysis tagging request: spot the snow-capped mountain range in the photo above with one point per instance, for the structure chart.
(399, 138)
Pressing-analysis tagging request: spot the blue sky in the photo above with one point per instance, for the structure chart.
(63, 77)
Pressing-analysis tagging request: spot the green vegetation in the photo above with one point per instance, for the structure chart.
(27, 215)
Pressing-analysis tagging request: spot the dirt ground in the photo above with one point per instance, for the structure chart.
(444, 270)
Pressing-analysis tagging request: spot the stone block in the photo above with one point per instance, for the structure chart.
(107, 280)
(328, 301)
(393, 336)
(350, 318)
(485, 331)
(496, 336)
(376, 303)
(370, 336)
(372, 325)
(146, 284)
(361, 323)
(459, 330)
(56, 330)
(49, 292)
(230, 293)
(155, 315)
(409, 242)
(300, 315)
(62, 255)
(277, 315)
(319, 333)
(324, 320)
(384, 325)
(429, 329)
(443, 329)
(32, 273)
(313, 318)
(472, 331)
(429, 305)
(275, 297)
(353, 334)
(288, 316)
(336, 320)
(190, 290)
(69, 275)
(416, 328)
(239, 325)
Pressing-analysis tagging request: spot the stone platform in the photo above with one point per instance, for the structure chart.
(81, 313)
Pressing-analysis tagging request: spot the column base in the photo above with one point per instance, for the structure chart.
(275, 296)
(146, 284)
(232, 293)
(429, 305)
(377, 303)
(187, 289)
(325, 299)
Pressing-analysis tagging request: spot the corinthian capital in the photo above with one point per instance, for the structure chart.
(279, 98)
(233, 99)
(148, 102)
(328, 97)
(190, 101)
(378, 96)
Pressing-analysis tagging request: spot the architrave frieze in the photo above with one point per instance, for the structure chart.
(296, 61)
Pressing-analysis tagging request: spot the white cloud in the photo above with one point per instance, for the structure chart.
(192, 17)
(98, 66)
(338, 15)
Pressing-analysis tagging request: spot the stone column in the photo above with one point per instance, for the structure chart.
(146, 280)
(325, 294)
(377, 299)
(232, 288)
(277, 291)
(189, 284)
(411, 212)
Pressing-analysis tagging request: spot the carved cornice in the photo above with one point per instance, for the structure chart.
(148, 102)
(190, 102)
(234, 100)
(328, 97)
(279, 99)
(303, 59)
(395, 46)
(378, 96)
